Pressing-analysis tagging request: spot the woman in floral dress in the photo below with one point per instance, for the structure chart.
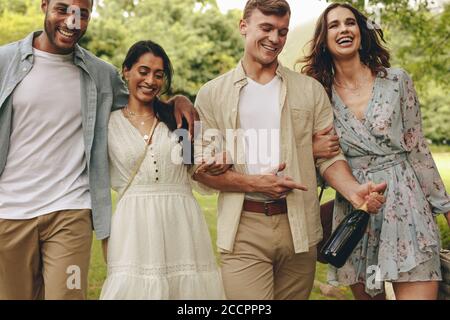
(378, 122)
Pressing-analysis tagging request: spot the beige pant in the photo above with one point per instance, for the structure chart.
(263, 265)
(45, 257)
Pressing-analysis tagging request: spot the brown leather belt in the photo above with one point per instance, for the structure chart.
(269, 208)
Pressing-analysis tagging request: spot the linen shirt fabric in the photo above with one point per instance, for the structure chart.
(305, 109)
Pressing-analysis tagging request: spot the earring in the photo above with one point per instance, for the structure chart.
(324, 49)
(360, 47)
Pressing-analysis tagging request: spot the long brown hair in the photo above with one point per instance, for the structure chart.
(319, 63)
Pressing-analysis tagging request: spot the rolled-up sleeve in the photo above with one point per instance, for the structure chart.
(323, 118)
(204, 107)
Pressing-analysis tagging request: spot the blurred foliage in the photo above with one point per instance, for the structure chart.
(18, 18)
(445, 232)
(203, 43)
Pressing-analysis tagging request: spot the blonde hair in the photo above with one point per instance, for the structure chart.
(268, 7)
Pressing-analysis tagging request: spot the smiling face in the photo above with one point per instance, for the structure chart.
(145, 78)
(265, 36)
(343, 33)
(66, 22)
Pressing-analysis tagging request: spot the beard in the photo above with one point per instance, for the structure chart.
(51, 32)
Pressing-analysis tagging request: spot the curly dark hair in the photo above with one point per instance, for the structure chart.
(319, 63)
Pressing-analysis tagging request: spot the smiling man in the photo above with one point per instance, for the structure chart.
(268, 212)
(65, 24)
(55, 101)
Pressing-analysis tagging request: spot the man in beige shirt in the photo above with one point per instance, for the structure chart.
(268, 221)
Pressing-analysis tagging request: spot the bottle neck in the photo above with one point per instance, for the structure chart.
(364, 207)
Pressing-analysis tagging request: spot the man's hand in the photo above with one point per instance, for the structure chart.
(184, 109)
(447, 216)
(105, 249)
(276, 187)
(370, 193)
(325, 144)
(216, 166)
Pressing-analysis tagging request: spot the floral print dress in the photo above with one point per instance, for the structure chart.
(402, 241)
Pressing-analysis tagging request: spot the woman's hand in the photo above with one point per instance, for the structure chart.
(105, 249)
(325, 144)
(217, 166)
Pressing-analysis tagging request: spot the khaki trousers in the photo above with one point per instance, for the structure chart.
(263, 265)
(46, 257)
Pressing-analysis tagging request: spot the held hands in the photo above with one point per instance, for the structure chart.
(370, 194)
(216, 166)
(325, 144)
(276, 186)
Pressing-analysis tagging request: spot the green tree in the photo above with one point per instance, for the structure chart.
(201, 41)
(18, 18)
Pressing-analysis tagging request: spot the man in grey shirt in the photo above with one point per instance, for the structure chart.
(55, 101)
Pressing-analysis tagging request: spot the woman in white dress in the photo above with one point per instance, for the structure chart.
(159, 247)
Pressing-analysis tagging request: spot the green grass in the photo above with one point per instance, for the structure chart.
(97, 272)
(435, 149)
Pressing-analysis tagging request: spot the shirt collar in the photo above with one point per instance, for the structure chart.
(240, 77)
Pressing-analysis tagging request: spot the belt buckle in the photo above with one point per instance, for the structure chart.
(266, 207)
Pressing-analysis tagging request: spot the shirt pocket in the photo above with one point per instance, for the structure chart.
(302, 121)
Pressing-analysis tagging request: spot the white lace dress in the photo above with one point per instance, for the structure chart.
(160, 247)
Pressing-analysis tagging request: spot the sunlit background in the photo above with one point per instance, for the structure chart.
(203, 42)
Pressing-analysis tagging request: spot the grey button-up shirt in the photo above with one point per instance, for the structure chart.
(102, 90)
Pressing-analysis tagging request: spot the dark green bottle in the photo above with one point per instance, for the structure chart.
(345, 238)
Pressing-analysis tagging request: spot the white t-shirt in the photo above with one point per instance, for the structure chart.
(46, 167)
(260, 118)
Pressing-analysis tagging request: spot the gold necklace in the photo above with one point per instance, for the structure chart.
(148, 137)
(354, 91)
(132, 114)
(358, 86)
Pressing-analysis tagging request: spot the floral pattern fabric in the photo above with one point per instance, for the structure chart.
(402, 241)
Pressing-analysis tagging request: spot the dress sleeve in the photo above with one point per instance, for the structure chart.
(417, 149)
